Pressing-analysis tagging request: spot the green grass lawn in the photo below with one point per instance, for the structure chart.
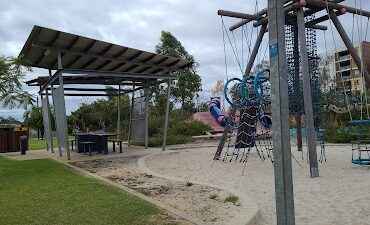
(45, 192)
(36, 144)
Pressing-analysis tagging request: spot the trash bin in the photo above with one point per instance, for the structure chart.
(23, 140)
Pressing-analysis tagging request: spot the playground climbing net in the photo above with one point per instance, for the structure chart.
(250, 126)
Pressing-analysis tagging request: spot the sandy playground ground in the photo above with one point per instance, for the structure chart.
(340, 196)
(204, 203)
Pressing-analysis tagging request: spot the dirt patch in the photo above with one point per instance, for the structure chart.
(205, 203)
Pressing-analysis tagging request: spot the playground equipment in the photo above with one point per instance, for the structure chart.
(250, 96)
(301, 26)
(304, 13)
(214, 109)
(345, 95)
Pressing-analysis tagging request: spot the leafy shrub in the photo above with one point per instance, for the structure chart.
(340, 135)
(190, 128)
(181, 128)
(171, 140)
(155, 126)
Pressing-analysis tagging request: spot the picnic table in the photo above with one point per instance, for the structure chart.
(100, 141)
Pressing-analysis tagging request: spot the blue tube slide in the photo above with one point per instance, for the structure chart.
(214, 109)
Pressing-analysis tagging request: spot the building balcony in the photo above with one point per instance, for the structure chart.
(342, 58)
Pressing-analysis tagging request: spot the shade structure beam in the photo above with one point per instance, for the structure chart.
(97, 56)
(93, 73)
(89, 89)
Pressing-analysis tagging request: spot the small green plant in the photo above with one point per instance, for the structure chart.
(188, 183)
(231, 198)
(214, 196)
(143, 191)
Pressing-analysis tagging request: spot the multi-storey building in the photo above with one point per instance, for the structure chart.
(342, 69)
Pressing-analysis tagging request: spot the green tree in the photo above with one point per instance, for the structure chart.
(11, 74)
(9, 120)
(33, 119)
(100, 114)
(188, 83)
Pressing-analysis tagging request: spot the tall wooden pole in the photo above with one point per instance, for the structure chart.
(307, 96)
(280, 114)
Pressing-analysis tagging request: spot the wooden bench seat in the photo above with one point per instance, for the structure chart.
(118, 141)
(88, 144)
(72, 143)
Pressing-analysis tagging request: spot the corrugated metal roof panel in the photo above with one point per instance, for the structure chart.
(85, 53)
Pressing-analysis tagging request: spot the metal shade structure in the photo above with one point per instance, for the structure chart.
(81, 61)
(82, 53)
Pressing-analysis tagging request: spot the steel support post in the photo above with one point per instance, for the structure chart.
(146, 140)
(280, 115)
(60, 66)
(50, 124)
(298, 119)
(131, 114)
(297, 87)
(307, 96)
(232, 112)
(119, 108)
(167, 112)
(55, 118)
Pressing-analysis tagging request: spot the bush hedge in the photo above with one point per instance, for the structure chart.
(347, 134)
(189, 128)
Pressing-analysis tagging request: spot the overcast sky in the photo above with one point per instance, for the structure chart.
(138, 24)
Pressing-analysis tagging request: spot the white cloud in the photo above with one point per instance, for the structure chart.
(138, 24)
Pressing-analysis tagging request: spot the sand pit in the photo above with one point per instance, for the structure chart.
(204, 203)
(339, 196)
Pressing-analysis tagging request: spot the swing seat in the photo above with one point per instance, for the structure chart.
(358, 122)
(361, 162)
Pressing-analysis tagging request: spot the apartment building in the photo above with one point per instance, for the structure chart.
(341, 67)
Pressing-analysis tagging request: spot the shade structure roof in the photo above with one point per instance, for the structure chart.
(100, 78)
(82, 53)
